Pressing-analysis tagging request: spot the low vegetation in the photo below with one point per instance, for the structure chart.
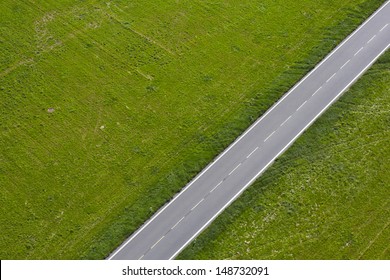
(327, 197)
(108, 108)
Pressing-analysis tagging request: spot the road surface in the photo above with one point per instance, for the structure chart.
(223, 180)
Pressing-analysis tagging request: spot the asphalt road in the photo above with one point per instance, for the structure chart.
(223, 180)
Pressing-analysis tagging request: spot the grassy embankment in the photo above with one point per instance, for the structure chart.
(327, 197)
(144, 95)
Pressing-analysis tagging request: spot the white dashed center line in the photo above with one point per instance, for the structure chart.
(197, 204)
(216, 186)
(248, 156)
(383, 27)
(286, 120)
(157, 242)
(358, 51)
(316, 91)
(177, 223)
(345, 64)
(231, 172)
(269, 136)
(371, 39)
(331, 77)
(301, 105)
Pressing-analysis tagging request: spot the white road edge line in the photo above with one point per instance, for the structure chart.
(285, 147)
(157, 242)
(301, 105)
(286, 120)
(269, 136)
(345, 64)
(383, 27)
(248, 156)
(358, 51)
(331, 77)
(372, 38)
(177, 223)
(247, 131)
(216, 186)
(231, 172)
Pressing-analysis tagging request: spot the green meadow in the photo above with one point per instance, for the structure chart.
(327, 197)
(108, 108)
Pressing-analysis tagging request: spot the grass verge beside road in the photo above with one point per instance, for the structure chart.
(109, 108)
(327, 197)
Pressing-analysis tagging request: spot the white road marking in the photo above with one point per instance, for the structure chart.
(358, 51)
(243, 135)
(216, 186)
(269, 136)
(231, 172)
(316, 91)
(331, 77)
(301, 105)
(248, 156)
(383, 27)
(157, 242)
(177, 223)
(280, 152)
(345, 64)
(141, 257)
(197, 204)
(372, 38)
(286, 120)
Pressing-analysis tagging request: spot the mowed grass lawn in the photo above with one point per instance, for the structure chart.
(108, 108)
(328, 197)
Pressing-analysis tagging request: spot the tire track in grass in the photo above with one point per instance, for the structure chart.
(372, 241)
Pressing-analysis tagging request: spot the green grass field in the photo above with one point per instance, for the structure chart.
(108, 108)
(328, 196)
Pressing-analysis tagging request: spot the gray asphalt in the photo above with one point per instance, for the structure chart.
(223, 180)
